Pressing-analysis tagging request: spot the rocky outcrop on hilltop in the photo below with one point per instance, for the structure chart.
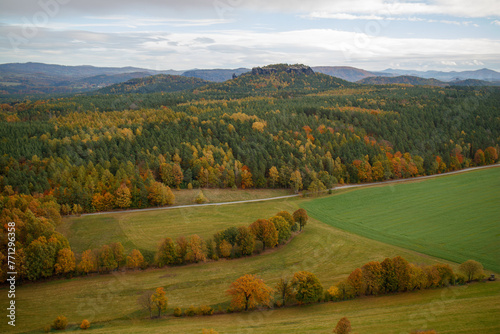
(293, 69)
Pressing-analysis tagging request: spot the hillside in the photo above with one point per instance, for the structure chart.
(277, 80)
(474, 83)
(39, 78)
(347, 73)
(404, 79)
(103, 80)
(154, 84)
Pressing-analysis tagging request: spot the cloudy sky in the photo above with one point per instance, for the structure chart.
(186, 34)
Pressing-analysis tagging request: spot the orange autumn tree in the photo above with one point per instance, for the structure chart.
(355, 280)
(246, 178)
(248, 292)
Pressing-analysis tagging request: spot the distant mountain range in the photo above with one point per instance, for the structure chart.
(482, 74)
(347, 73)
(164, 83)
(417, 81)
(39, 78)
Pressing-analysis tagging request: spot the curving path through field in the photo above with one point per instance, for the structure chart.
(294, 195)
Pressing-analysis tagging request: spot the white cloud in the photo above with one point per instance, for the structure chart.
(220, 8)
(236, 48)
(342, 16)
(496, 22)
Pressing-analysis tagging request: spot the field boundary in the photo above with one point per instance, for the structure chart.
(347, 186)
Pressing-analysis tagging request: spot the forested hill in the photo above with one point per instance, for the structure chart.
(403, 79)
(276, 80)
(154, 84)
(417, 81)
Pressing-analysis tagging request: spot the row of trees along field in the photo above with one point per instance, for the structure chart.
(303, 132)
(374, 278)
(41, 252)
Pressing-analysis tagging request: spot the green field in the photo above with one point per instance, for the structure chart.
(145, 230)
(109, 301)
(454, 217)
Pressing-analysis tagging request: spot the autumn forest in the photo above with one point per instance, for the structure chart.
(133, 146)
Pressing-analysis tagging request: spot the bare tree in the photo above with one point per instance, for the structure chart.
(146, 302)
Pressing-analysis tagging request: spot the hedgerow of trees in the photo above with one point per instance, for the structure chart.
(43, 252)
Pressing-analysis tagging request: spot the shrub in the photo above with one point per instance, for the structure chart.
(332, 294)
(225, 248)
(343, 326)
(206, 310)
(209, 331)
(259, 247)
(60, 323)
(307, 287)
(460, 279)
(47, 328)
(85, 324)
(177, 312)
(236, 252)
(190, 312)
(200, 199)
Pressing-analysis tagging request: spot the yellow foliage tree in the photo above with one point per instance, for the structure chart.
(123, 197)
(160, 194)
(195, 251)
(273, 176)
(159, 300)
(88, 263)
(65, 261)
(135, 259)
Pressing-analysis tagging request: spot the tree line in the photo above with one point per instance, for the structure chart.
(42, 252)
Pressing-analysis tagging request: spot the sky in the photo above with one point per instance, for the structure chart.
(448, 35)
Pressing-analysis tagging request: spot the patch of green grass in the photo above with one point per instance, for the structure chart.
(145, 230)
(186, 196)
(455, 217)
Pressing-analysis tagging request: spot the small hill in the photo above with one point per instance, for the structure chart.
(154, 84)
(103, 80)
(217, 75)
(404, 79)
(474, 83)
(278, 80)
(348, 73)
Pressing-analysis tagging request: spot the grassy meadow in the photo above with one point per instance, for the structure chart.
(455, 217)
(330, 251)
(145, 230)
